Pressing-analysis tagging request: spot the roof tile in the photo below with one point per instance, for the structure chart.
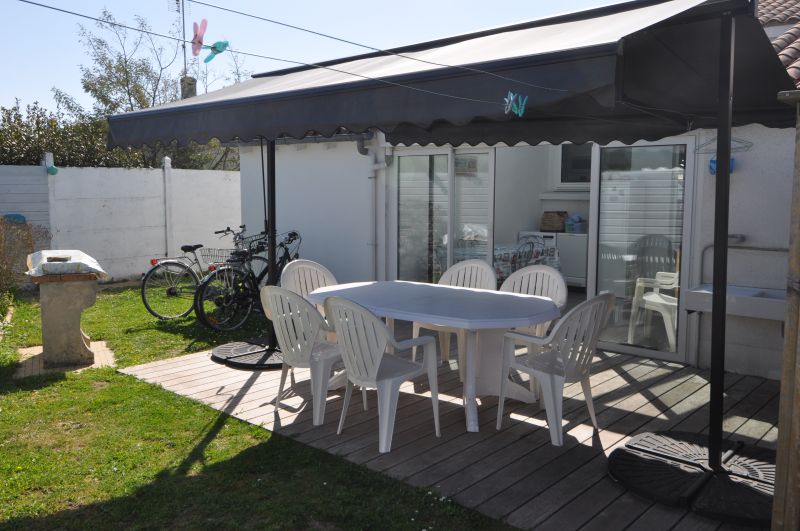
(775, 12)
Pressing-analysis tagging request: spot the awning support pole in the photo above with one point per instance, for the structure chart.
(721, 213)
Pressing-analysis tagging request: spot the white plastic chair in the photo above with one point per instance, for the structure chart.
(654, 300)
(304, 276)
(363, 339)
(564, 356)
(467, 274)
(540, 280)
(300, 330)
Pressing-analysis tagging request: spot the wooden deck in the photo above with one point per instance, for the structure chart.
(514, 474)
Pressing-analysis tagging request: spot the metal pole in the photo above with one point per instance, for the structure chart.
(721, 212)
(270, 219)
(786, 507)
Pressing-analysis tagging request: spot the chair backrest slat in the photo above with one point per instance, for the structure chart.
(470, 274)
(296, 321)
(540, 280)
(575, 336)
(362, 339)
(304, 276)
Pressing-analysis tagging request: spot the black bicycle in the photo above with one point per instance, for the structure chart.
(170, 285)
(228, 295)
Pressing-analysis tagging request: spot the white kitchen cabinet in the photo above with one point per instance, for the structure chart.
(572, 248)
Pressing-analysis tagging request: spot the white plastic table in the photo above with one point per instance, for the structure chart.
(485, 314)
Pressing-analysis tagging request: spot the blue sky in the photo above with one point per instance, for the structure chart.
(46, 52)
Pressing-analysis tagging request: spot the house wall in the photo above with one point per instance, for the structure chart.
(125, 217)
(23, 190)
(324, 191)
(760, 195)
(521, 175)
(761, 190)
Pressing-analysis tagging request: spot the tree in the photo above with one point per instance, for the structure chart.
(129, 70)
(26, 134)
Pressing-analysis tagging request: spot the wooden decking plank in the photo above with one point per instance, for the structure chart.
(400, 435)
(617, 517)
(179, 376)
(499, 449)
(225, 378)
(411, 395)
(684, 399)
(405, 434)
(414, 397)
(744, 409)
(657, 517)
(517, 466)
(358, 424)
(410, 443)
(552, 464)
(694, 522)
(432, 456)
(759, 423)
(541, 452)
(196, 367)
(155, 366)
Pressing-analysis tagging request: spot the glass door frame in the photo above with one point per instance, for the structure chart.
(392, 194)
(681, 354)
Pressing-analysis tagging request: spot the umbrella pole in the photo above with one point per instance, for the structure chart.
(262, 352)
(721, 214)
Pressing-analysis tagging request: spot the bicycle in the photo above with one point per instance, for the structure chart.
(228, 295)
(169, 286)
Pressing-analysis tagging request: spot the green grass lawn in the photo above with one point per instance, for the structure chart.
(100, 449)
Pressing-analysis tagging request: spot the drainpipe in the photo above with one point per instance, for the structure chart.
(378, 165)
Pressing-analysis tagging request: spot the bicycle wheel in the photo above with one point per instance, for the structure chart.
(168, 289)
(225, 299)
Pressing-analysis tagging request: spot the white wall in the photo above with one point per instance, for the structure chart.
(521, 175)
(324, 191)
(119, 216)
(23, 190)
(761, 190)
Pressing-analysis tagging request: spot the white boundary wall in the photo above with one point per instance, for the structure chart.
(125, 217)
(23, 190)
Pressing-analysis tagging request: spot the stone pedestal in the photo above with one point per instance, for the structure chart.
(63, 298)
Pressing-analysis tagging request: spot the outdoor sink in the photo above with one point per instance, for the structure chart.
(758, 303)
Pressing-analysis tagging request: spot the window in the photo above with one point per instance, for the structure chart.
(576, 163)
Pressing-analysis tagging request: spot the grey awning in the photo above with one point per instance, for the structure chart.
(641, 70)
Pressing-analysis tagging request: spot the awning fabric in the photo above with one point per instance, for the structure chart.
(640, 70)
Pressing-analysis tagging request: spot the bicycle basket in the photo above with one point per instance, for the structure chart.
(249, 242)
(215, 256)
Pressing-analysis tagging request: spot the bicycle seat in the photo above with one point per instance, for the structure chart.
(190, 248)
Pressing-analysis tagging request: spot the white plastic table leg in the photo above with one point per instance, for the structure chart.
(489, 360)
(470, 407)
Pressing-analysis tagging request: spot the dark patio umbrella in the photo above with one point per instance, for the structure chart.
(640, 70)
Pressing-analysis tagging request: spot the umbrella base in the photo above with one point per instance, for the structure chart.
(251, 354)
(672, 468)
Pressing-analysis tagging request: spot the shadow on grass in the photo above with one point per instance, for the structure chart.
(276, 483)
(31, 383)
(201, 337)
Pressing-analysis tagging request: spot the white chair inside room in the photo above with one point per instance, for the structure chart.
(563, 356)
(301, 331)
(363, 341)
(649, 297)
(467, 274)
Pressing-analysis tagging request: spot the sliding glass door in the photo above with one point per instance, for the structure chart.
(423, 197)
(444, 211)
(639, 238)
